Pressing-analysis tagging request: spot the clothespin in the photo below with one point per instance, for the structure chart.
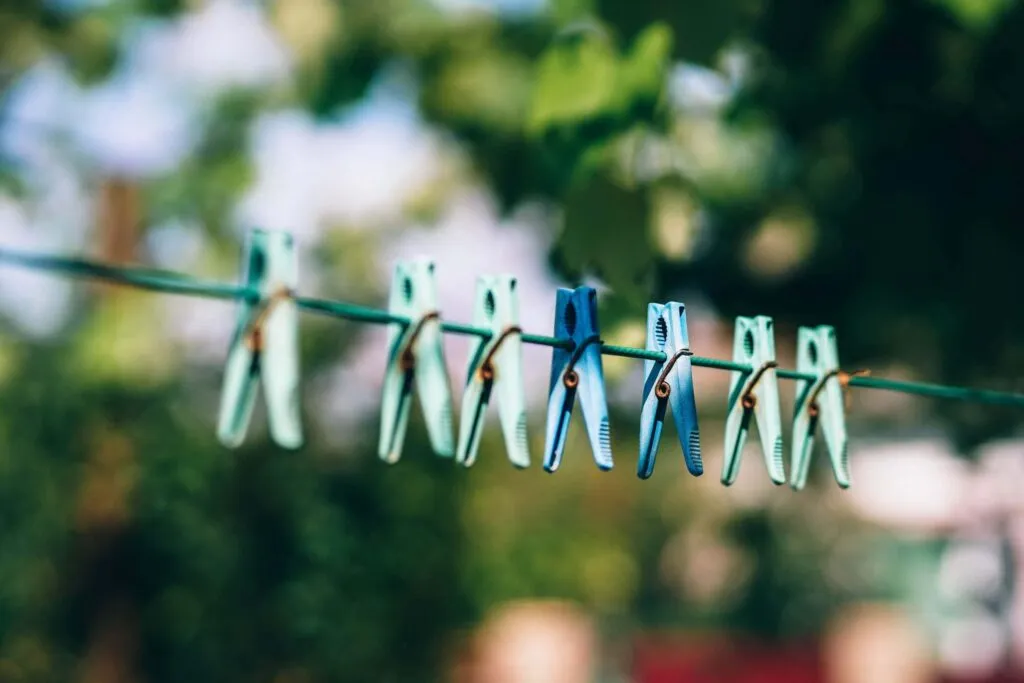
(265, 345)
(754, 393)
(416, 355)
(668, 382)
(495, 362)
(817, 401)
(577, 370)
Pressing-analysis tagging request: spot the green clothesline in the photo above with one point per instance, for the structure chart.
(174, 283)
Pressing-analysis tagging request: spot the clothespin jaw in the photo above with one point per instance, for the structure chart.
(577, 371)
(819, 401)
(668, 383)
(265, 345)
(415, 356)
(754, 394)
(495, 363)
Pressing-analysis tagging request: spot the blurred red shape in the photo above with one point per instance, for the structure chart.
(687, 658)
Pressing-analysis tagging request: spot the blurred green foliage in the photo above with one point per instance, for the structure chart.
(878, 141)
(118, 506)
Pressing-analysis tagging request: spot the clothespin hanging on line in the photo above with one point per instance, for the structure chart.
(668, 383)
(819, 401)
(754, 394)
(496, 362)
(578, 370)
(415, 356)
(265, 345)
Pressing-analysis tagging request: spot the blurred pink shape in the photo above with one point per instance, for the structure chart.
(532, 642)
(869, 643)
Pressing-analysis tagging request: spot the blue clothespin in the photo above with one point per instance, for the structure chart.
(575, 371)
(819, 401)
(265, 345)
(416, 355)
(754, 393)
(496, 362)
(668, 382)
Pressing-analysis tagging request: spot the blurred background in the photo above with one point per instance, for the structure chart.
(845, 162)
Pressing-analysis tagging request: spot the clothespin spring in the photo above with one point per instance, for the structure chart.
(254, 333)
(408, 357)
(749, 400)
(812, 400)
(844, 381)
(661, 387)
(487, 366)
(571, 379)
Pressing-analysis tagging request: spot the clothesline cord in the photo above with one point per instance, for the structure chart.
(175, 283)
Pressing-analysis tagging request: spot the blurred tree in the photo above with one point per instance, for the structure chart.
(903, 125)
(864, 175)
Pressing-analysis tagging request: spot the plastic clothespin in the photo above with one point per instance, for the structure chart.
(668, 383)
(265, 344)
(818, 401)
(415, 355)
(495, 362)
(575, 371)
(754, 393)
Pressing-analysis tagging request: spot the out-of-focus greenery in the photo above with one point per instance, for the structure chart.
(865, 175)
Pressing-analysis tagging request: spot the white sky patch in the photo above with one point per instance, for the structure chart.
(176, 245)
(284, 155)
(131, 124)
(223, 45)
(145, 119)
(35, 114)
(135, 126)
(356, 172)
(697, 89)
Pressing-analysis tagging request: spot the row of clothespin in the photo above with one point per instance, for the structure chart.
(265, 346)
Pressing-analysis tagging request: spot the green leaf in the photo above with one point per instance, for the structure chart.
(641, 76)
(575, 81)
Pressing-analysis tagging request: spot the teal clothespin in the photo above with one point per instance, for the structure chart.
(266, 344)
(416, 355)
(495, 362)
(754, 394)
(668, 384)
(578, 370)
(819, 401)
